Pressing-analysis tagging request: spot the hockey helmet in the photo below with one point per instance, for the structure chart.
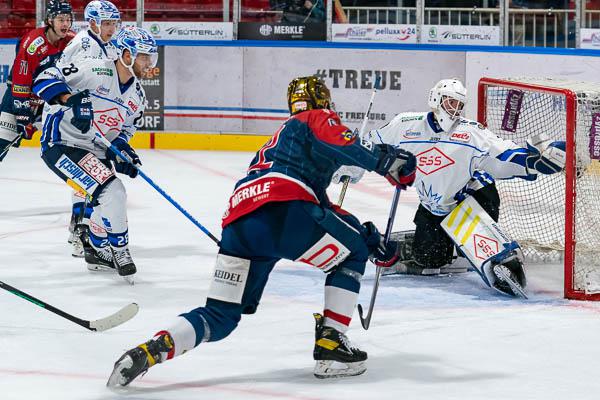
(58, 7)
(101, 10)
(447, 99)
(137, 41)
(308, 93)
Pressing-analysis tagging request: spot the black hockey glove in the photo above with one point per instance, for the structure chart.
(24, 118)
(381, 254)
(124, 167)
(397, 165)
(83, 112)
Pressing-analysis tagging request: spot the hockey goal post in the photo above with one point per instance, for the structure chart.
(556, 218)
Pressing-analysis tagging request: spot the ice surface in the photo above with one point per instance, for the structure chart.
(430, 338)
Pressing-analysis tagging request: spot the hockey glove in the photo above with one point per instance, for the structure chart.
(380, 253)
(397, 165)
(24, 118)
(479, 180)
(83, 112)
(124, 167)
(350, 171)
(545, 157)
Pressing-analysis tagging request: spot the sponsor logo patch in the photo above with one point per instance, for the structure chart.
(20, 89)
(325, 254)
(411, 134)
(460, 136)
(485, 247)
(432, 160)
(107, 121)
(94, 167)
(102, 71)
(37, 42)
(76, 174)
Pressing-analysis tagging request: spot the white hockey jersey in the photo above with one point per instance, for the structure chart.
(446, 161)
(87, 45)
(117, 107)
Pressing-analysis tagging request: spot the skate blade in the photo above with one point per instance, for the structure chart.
(99, 268)
(325, 369)
(502, 273)
(129, 279)
(116, 378)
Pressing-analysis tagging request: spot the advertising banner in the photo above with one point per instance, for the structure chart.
(590, 39)
(461, 34)
(153, 83)
(7, 56)
(287, 31)
(190, 30)
(374, 33)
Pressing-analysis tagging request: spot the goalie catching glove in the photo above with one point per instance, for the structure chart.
(545, 156)
(124, 167)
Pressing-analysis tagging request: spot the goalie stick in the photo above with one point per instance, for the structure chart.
(366, 320)
(126, 158)
(361, 132)
(98, 325)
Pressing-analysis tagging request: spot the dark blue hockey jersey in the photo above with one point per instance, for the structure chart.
(297, 163)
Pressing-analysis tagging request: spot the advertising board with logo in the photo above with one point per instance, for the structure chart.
(153, 83)
(190, 30)
(266, 31)
(374, 33)
(463, 34)
(590, 39)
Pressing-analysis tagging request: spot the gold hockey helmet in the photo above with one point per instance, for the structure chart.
(307, 93)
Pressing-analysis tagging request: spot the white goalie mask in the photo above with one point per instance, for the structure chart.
(447, 99)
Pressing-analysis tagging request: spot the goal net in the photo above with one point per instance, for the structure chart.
(555, 218)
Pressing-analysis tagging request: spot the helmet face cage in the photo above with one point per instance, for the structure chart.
(447, 99)
(137, 41)
(55, 8)
(308, 93)
(101, 10)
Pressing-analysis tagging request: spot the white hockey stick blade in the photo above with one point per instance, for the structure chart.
(502, 273)
(116, 319)
(325, 369)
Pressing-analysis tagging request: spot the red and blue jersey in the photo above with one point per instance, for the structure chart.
(297, 163)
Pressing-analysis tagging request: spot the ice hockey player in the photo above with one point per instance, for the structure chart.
(105, 97)
(281, 210)
(103, 20)
(35, 50)
(456, 158)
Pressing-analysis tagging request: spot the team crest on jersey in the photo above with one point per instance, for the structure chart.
(412, 134)
(108, 121)
(432, 160)
(37, 42)
(460, 136)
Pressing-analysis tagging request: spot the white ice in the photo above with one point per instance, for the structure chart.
(431, 338)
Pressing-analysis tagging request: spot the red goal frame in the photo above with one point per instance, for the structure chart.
(570, 187)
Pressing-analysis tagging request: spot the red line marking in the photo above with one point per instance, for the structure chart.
(152, 140)
(167, 386)
(200, 166)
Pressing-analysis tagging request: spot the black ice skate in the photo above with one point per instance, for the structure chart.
(509, 275)
(333, 347)
(123, 262)
(97, 259)
(136, 361)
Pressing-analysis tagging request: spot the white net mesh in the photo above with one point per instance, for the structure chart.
(534, 212)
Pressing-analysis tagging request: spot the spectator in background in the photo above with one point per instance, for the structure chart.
(300, 11)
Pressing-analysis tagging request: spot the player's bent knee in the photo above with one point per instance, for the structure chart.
(114, 192)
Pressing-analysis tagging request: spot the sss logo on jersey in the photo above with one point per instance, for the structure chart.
(432, 160)
(108, 121)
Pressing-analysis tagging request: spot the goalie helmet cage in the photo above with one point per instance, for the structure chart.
(555, 218)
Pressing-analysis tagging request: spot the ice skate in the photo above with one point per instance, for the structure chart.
(334, 354)
(97, 259)
(123, 262)
(136, 361)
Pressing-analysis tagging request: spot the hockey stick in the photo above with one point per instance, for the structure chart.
(361, 132)
(98, 325)
(126, 158)
(366, 320)
(8, 146)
